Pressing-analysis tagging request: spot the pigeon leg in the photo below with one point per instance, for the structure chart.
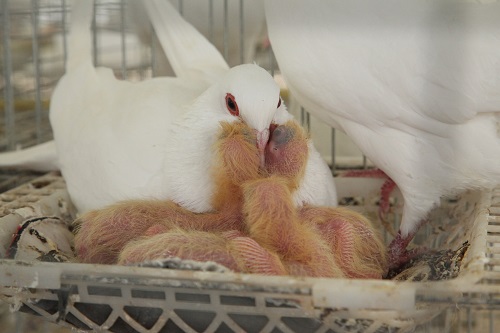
(385, 206)
(398, 254)
(385, 193)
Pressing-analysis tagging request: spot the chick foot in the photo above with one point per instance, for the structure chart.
(398, 252)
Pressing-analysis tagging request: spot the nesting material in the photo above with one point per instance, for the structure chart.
(50, 239)
(130, 292)
(188, 265)
(431, 266)
(44, 239)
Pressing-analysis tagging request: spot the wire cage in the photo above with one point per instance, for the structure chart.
(149, 299)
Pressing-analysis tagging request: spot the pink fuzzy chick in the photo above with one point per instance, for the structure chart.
(255, 227)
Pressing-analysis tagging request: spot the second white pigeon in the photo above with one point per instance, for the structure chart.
(415, 84)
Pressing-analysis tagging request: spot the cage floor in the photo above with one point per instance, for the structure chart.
(465, 312)
(24, 323)
(453, 320)
(13, 178)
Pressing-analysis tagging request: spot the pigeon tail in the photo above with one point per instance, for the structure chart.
(187, 50)
(42, 157)
(80, 42)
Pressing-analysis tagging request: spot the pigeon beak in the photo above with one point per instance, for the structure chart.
(262, 140)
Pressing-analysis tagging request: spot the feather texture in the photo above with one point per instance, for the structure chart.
(119, 140)
(255, 227)
(415, 84)
(152, 139)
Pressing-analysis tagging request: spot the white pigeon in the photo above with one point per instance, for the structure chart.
(415, 84)
(119, 140)
(110, 53)
(240, 34)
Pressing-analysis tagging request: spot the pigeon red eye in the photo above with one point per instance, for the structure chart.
(279, 103)
(231, 105)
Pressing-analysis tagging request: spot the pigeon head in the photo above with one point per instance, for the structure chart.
(250, 94)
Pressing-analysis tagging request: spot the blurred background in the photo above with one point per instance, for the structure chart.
(33, 44)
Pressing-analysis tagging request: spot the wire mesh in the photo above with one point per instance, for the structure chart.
(34, 51)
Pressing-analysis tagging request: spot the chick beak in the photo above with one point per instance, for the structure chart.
(262, 140)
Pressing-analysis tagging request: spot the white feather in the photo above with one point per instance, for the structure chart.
(42, 157)
(415, 84)
(119, 140)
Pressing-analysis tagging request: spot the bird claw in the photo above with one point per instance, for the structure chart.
(385, 205)
(401, 261)
(383, 216)
(398, 254)
(385, 194)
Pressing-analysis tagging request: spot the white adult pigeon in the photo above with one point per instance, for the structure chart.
(415, 84)
(119, 140)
